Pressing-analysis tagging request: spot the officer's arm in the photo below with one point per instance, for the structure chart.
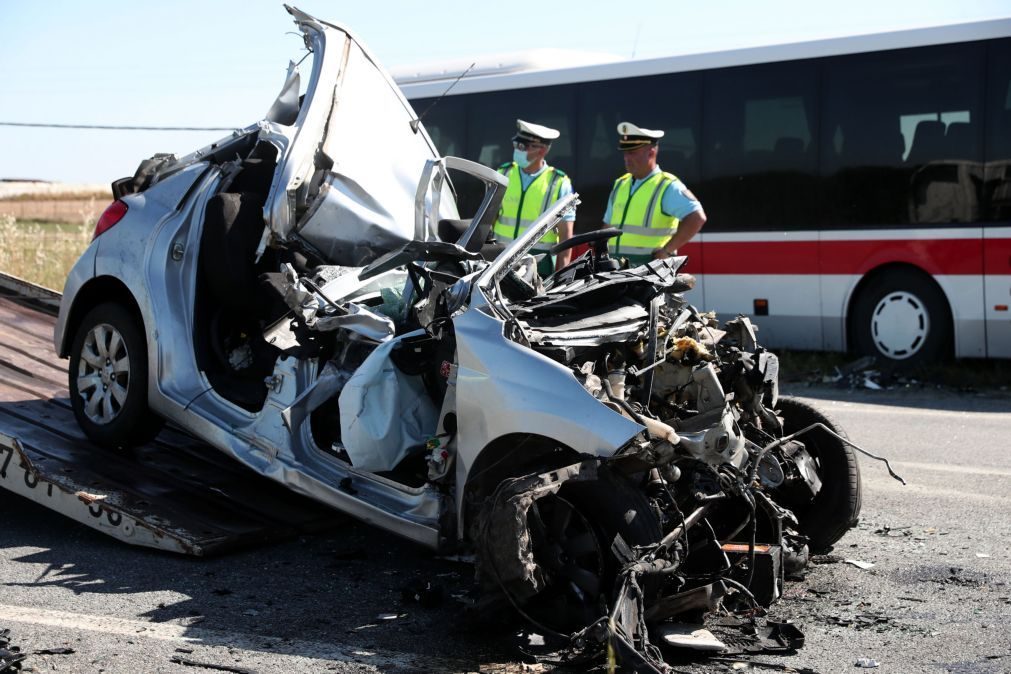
(687, 228)
(564, 226)
(564, 234)
(676, 200)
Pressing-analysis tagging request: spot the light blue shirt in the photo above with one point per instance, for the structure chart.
(676, 199)
(565, 189)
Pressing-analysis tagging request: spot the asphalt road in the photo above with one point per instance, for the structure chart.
(937, 599)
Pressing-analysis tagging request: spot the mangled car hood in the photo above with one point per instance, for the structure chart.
(353, 155)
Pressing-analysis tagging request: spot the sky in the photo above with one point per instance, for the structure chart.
(220, 63)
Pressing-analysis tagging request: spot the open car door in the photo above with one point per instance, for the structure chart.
(350, 154)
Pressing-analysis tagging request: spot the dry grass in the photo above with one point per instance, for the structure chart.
(42, 252)
(27, 190)
(71, 195)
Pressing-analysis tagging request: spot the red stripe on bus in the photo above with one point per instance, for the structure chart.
(937, 256)
(997, 256)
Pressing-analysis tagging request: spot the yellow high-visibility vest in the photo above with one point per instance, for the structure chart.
(643, 224)
(521, 208)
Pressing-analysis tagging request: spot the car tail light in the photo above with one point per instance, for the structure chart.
(113, 214)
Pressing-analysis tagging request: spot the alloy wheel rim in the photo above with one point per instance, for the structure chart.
(900, 324)
(103, 376)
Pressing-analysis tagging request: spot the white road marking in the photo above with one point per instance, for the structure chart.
(947, 468)
(845, 407)
(253, 643)
(916, 489)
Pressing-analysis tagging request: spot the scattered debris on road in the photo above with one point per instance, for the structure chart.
(11, 657)
(210, 665)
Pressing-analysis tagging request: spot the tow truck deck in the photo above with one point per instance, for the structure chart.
(174, 493)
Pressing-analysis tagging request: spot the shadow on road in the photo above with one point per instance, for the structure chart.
(314, 596)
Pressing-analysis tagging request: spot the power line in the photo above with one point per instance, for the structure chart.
(119, 128)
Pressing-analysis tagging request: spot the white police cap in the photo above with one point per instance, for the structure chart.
(535, 132)
(631, 137)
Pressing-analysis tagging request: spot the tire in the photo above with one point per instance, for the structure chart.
(109, 398)
(835, 509)
(902, 318)
(573, 547)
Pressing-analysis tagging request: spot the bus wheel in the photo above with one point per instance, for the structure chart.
(902, 318)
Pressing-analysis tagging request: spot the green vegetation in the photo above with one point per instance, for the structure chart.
(42, 252)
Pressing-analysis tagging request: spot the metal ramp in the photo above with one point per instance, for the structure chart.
(175, 493)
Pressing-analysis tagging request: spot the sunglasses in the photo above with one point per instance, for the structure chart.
(525, 145)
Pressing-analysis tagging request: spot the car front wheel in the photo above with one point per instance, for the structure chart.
(108, 379)
(836, 508)
(572, 533)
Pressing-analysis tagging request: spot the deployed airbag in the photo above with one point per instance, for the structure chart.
(384, 412)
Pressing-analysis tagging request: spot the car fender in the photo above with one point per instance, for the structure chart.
(504, 388)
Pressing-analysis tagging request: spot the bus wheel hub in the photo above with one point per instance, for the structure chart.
(900, 324)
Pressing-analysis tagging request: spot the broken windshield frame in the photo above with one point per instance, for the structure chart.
(496, 271)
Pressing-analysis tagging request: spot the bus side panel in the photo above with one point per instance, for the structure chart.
(997, 290)
(836, 290)
(965, 297)
(696, 266)
(952, 256)
(780, 268)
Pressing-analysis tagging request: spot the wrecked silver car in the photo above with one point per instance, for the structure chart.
(308, 301)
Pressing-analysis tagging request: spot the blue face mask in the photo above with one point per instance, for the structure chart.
(520, 157)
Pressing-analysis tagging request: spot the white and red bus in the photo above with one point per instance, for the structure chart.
(858, 189)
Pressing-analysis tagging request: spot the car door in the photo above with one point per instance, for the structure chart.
(350, 162)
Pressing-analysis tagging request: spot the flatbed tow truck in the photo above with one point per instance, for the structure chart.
(174, 493)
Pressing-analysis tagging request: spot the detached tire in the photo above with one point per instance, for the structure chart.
(835, 509)
(108, 379)
(902, 317)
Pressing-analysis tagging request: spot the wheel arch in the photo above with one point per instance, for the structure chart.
(507, 456)
(97, 291)
(871, 276)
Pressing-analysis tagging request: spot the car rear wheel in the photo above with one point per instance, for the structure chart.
(902, 318)
(835, 509)
(108, 379)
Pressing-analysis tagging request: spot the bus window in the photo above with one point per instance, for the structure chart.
(902, 136)
(997, 187)
(670, 103)
(445, 122)
(998, 133)
(493, 123)
(759, 159)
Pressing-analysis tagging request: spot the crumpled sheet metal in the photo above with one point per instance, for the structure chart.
(329, 383)
(304, 301)
(360, 321)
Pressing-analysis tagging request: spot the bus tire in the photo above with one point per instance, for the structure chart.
(902, 318)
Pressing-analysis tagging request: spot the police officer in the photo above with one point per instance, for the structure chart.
(533, 187)
(654, 210)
